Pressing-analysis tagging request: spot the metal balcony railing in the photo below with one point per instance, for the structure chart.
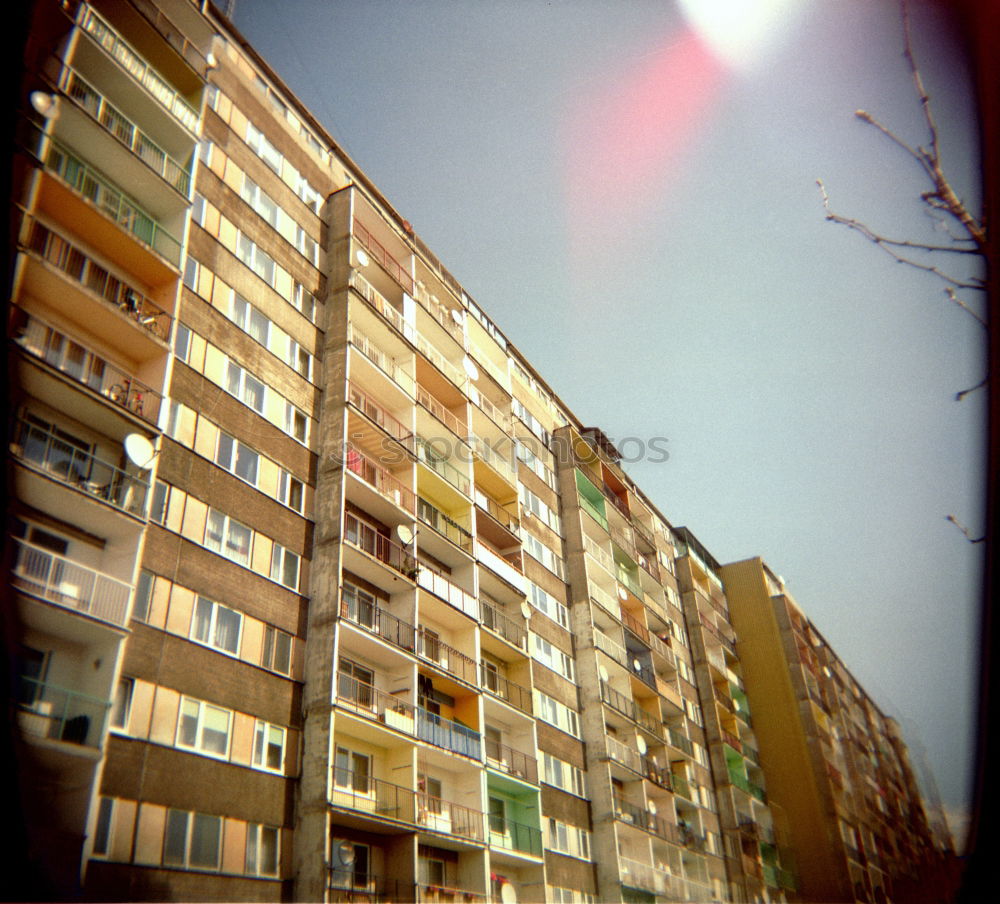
(441, 586)
(380, 359)
(86, 367)
(382, 257)
(640, 817)
(376, 413)
(623, 538)
(447, 527)
(679, 741)
(593, 511)
(120, 127)
(511, 630)
(648, 564)
(615, 500)
(378, 621)
(506, 519)
(499, 686)
(430, 352)
(629, 579)
(44, 450)
(491, 411)
(514, 836)
(440, 412)
(453, 819)
(368, 701)
(683, 787)
(444, 894)
(428, 455)
(352, 887)
(445, 657)
(513, 762)
(448, 734)
(500, 463)
(441, 313)
(643, 532)
(636, 874)
(47, 711)
(112, 201)
(63, 255)
(70, 584)
(364, 537)
(174, 36)
(383, 481)
(601, 556)
(634, 625)
(381, 304)
(628, 708)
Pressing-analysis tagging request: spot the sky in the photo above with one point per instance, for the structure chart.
(630, 193)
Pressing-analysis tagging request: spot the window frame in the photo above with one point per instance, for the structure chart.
(200, 727)
(262, 731)
(192, 822)
(225, 537)
(213, 625)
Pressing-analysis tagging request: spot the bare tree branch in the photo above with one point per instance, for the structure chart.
(965, 530)
(954, 297)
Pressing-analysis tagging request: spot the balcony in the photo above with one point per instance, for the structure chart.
(635, 815)
(113, 202)
(58, 714)
(490, 410)
(441, 313)
(448, 734)
(381, 304)
(683, 787)
(89, 369)
(628, 708)
(506, 566)
(494, 459)
(428, 455)
(644, 534)
(366, 700)
(634, 625)
(513, 762)
(68, 584)
(648, 564)
(507, 520)
(444, 894)
(446, 658)
(514, 836)
(444, 525)
(505, 689)
(70, 260)
(43, 450)
(376, 413)
(623, 538)
(440, 412)
(717, 634)
(428, 350)
(384, 483)
(509, 629)
(364, 537)
(635, 874)
(441, 586)
(173, 35)
(680, 741)
(137, 68)
(350, 887)
(381, 256)
(377, 621)
(122, 129)
(615, 500)
(380, 359)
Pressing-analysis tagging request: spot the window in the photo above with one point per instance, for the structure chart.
(205, 152)
(352, 770)
(296, 423)
(216, 626)
(262, 850)
(567, 839)
(191, 270)
(562, 775)
(307, 246)
(269, 747)
(192, 840)
(299, 358)
(263, 148)
(291, 491)
(143, 596)
(102, 828)
(250, 320)
(533, 505)
(259, 201)
(182, 343)
(540, 552)
(158, 507)
(245, 387)
(237, 458)
(309, 194)
(548, 655)
(173, 416)
(277, 652)
(497, 813)
(303, 301)
(121, 706)
(228, 537)
(262, 264)
(356, 683)
(539, 467)
(203, 727)
(548, 605)
(285, 567)
(198, 210)
(557, 714)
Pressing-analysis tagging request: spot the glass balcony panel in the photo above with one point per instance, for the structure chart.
(47, 711)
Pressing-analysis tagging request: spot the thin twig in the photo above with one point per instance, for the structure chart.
(965, 530)
(954, 297)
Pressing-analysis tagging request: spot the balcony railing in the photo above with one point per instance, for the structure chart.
(55, 713)
(593, 511)
(636, 874)
(381, 304)
(367, 700)
(648, 564)
(375, 412)
(604, 599)
(441, 313)
(635, 815)
(634, 625)
(509, 520)
(644, 533)
(358, 791)
(491, 410)
(453, 819)
(119, 126)
(364, 537)
(57, 251)
(380, 359)
(623, 537)
(46, 451)
(508, 628)
(133, 63)
(428, 350)
(89, 369)
(70, 584)
(679, 741)
(428, 455)
(496, 684)
(378, 621)
(494, 459)
(514, 836)
(385, 483)
(732, 741)
(513, 762)
(382, 257)
(628, 708)
(440, 585)
(444, 894)
(506, 565)
(601, 556)
(614, 649)
(447, 527)
(445, 657)
(615, 500)
(628, 578)
(683, 787)
(174, 36)
(440, 412)
(350, 887)
(113, 202)
(448, 734)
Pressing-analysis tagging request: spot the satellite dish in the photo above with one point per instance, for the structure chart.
(622, 595)
(470, 368)
(211, 60)
(640, 742)
(43, 103)
(651, 806)
(603, 672)
(636, 665)
(345, 851)
(525, 610)
(405, 534)
(508, 894)
(362, 257)
(456, 316)
(139, 450)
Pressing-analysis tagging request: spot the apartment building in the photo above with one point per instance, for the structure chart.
(835, 763)
(323, 593)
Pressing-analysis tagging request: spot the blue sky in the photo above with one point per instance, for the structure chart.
(643, 224)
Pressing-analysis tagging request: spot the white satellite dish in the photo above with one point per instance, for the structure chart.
(345, 851)
(139, 450)
(405, 534)
(43, 103)
(211, 60)
(456, 316)
(525, 610)
(362, 257)
(640, 742)
(651, 806)
(470, 368)
(603, 672)
(622, 595)
(508, 894)
(637, 665)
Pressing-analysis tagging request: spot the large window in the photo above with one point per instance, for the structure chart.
(563, 775)
(296, 423)
(263, 148)
(352, 770)
(250, 320)
(277, 651)
(216, 625)
(192, 840)
(204, 727)
(269, 747)
(548, 604)
(228, 537)
(237, 457)
(245, 386)
(557, 714)
(121, 706)
(291, 491)
(262, 850)
(143, 596)
(259, 201)
(285, 567)
(261, 263)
